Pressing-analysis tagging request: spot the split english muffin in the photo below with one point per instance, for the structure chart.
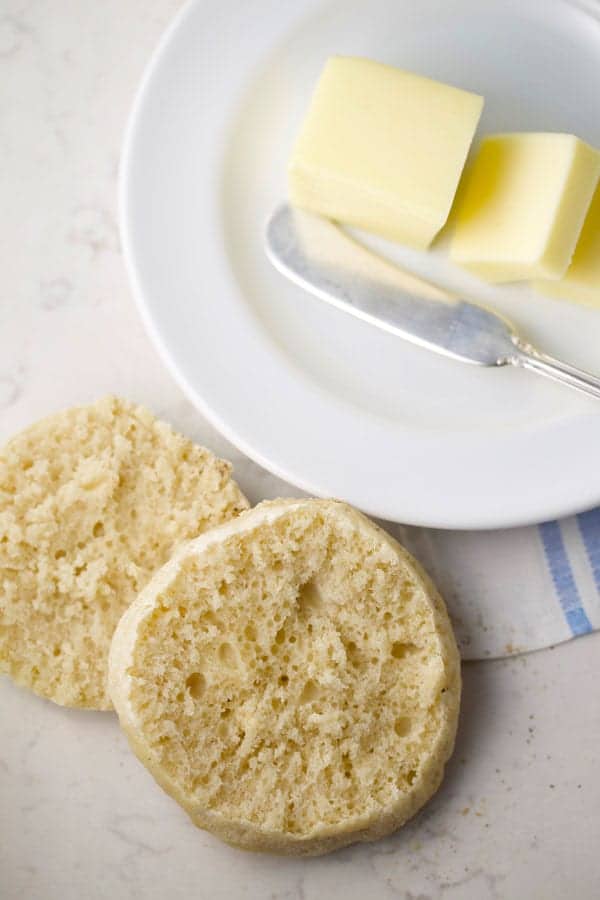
(92, 501)
(291, 678)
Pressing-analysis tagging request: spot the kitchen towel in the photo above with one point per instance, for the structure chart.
(514, 590)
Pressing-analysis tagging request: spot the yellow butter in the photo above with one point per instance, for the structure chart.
(581, 282)
(383, 149)
(523, 205)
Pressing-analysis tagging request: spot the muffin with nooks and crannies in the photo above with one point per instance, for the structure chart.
(291, 678)
(92, 501)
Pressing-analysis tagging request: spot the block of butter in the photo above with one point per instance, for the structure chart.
(524, 202)
(383, 149)
(581, 282)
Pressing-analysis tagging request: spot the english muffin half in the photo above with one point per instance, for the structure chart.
(291, 678)
(92, 501)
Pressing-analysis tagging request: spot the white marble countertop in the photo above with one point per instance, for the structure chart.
(518, 815)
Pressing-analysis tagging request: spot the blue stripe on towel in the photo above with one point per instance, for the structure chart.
(562, 576)
(589, 527)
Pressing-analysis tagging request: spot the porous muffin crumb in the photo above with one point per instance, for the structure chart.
(291, 678)
(92, 501)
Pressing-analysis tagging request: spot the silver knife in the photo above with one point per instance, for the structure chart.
(320, 257)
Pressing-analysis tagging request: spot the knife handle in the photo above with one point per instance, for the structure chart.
(529, 358)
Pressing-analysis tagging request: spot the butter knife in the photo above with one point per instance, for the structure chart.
(317, 255)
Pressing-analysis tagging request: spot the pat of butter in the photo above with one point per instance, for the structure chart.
(523, 206)
(383, 149)
(581, 283)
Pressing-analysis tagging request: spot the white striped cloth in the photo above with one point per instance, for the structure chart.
(515, 590)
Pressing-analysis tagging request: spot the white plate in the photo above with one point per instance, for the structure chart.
(329, 403)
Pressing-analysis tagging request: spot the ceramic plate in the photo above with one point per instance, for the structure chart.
(327, 402)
